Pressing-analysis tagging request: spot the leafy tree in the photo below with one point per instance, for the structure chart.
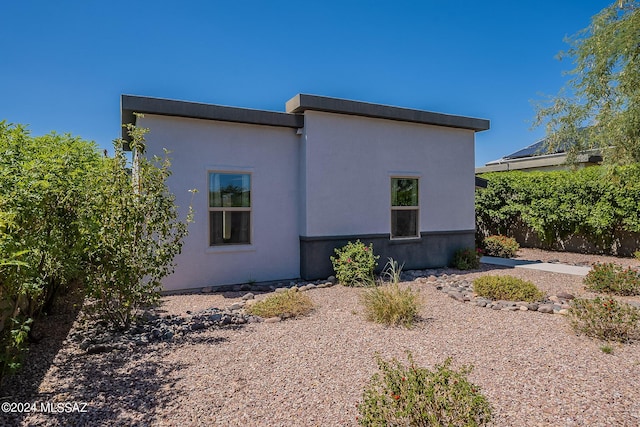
(134, 233)
(44, 192)
(44, 198)
(600, 104)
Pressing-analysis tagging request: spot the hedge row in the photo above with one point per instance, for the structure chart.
(593, 202)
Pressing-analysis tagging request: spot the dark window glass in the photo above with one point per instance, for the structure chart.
(229, 227)
(404, 223)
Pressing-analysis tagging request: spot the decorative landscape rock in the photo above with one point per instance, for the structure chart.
(462, 290)
(94, 336)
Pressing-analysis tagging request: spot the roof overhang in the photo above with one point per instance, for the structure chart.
(302, 102)
(131, 104)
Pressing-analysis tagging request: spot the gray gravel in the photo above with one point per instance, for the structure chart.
(311, 371)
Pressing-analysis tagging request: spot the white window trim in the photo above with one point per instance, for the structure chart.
(230, 247)
(404, 175)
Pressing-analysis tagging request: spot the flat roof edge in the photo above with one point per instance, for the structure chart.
(302, 102)
(130, 104)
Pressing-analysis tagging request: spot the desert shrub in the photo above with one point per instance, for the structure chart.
(354, 264)
(466, 259)
(391, 305)
(606, 349)
(506, 288)
(501, 246)
(134, 233)
(392, 271)
(610, 278)
(606, 319)
(284, 305)
(413, 396)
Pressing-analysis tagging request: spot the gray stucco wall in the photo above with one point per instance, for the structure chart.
(431, 250)
(348, 162)
(270, 154)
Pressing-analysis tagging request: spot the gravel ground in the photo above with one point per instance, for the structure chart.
(311, 371)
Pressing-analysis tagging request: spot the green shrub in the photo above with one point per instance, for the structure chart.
(507, 288)
(354, 264)
(284, 305)
(606, 319)
(610, 278)
(593, 202)
(466, 259)
(413, 396)
(391, 305)
(636, 255)
(501, 246)
(46, 196)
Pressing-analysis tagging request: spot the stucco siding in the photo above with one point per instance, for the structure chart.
(271, 155)
(349, 160)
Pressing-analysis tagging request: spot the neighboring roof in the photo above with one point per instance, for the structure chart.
(536, 149)
(303, 102)
(536, 157)
(130, 104)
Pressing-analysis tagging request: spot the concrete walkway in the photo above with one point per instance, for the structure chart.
(536, 265)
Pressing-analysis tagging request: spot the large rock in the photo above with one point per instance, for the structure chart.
(545, 308)
(565, 296)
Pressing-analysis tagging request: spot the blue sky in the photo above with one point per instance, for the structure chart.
(63, 65)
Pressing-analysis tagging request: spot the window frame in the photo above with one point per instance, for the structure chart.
(393, 208)
(229, 209)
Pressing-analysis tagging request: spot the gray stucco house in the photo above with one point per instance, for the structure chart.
(278, 191)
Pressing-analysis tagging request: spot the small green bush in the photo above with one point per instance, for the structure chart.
(501, 246)
(610, 278)
(413, 396)
(606, 349)
(636, 254)
(467, 259)
(354, 264)
(606, 319)
(391, 305)
(284, 305)
(507, 288)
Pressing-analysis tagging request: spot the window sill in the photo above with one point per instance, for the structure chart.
(400, 240)
(223, 249)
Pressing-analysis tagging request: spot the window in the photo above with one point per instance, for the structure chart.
(404, 208)
(229, 208)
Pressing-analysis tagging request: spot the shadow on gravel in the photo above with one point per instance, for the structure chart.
(50, 331)
(118, 388)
